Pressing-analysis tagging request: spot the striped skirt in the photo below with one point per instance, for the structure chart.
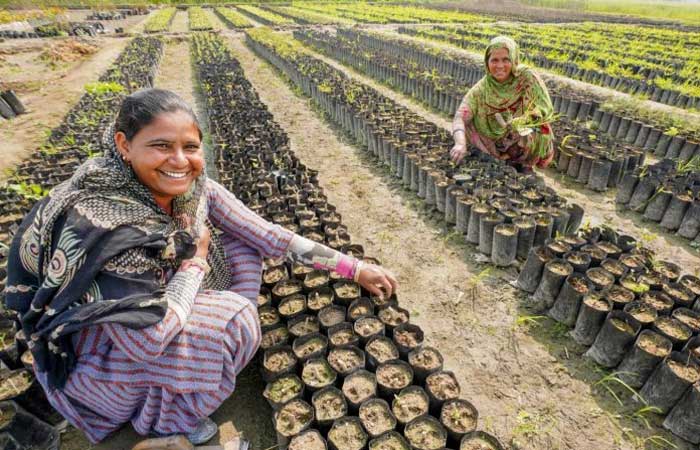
(166, 390)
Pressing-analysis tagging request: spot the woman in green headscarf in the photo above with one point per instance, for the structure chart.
(507, 113)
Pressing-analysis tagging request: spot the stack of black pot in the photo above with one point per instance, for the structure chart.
(10, 105)
(344, 370)
(667, 192)
(496, 207)
(593, 158)
(649, 137)
(638, 315)
(28, 421)
(597, 160)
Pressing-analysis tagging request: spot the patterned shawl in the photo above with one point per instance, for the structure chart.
(97, 250)
(523, 93)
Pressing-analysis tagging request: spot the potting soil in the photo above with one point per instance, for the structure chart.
(317, 373)
(376, 418)
(309, 347)
(308, 441)
(409, 405)
(458, 417)
(279, 360)
(304, 327)
(347, 290)
(274, 337)
(348, 436)
(344, 359)
(16, 383)
(368, 326)
(443, 385)
(408, 338)
(283, 389)
(642, 313)
(389, 442)
(688, 319)
(359, 387)
(579, 285)
(382, 350)
(688, 372)
(476, 443)
(652, 344)
(672, 328)
(622, 326)
(318, 300)
(329, 405)
(292, 417)
(393, 375)
(425, 435)
(393, 316)
(342, 337)
(425, 358)
(292, 306)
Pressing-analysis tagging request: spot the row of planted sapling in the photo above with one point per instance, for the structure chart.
(638, 315)
(627, 127)
(501, 211)
(667, 192)
(510, 215)
(668, 81)
(232, 18)
(593, 159)
(663, 143)
(344, 370)
(23, 405)
(602, 161)
(440, 91)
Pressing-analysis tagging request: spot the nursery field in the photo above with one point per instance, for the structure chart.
(554, 310)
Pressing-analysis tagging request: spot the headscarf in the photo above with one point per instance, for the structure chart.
(524, 92)
(97, 250)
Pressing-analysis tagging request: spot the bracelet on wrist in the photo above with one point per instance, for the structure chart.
(197, 261)
(358, 268)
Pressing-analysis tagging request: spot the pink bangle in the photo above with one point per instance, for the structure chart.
(358, 269)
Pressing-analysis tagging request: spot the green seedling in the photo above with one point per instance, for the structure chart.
(611, 380)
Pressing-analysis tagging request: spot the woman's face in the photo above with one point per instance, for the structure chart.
(500, 65)
(166, 155)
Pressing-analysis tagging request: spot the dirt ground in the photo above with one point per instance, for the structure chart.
(526, 377)
(600, 207)
(47, 91)
(181, 22)
(528, 380)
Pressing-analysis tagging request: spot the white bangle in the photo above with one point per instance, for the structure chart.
(358, 269)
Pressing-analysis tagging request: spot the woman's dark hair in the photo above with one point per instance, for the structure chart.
(141, 108)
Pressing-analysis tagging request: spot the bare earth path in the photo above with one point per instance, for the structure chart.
(181, 22)
(600, 207)
(48, 99)
(530, 384)
(246, 411)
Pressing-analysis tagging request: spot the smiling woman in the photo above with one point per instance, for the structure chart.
(166, 154)
(138, 310)
(507, 114)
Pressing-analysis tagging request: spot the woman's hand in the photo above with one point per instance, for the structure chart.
(458, 152)
(377, 280)
(203, 243)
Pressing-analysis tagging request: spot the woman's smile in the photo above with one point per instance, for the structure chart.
(166, 155)
(174, 174)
